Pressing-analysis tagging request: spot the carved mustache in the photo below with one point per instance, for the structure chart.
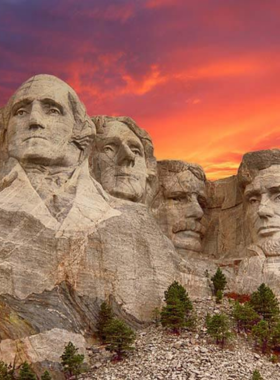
(189, 225)
(126, 173)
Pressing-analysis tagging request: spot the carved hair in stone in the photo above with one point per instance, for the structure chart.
(46, 122)
(259, 180)
(123, 158)
(180, 202)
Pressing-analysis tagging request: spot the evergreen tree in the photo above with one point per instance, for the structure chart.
(263, 335)
(276, 335)
(218, 328)
(177, 291)
(219, 281)
(245, 316)
(71, 361)
(46, 376)
(219, 296)
(265, 303)
(6, 371)
(173, 315)
(105, 316)
(119, 337)
(26, 372)
(256, 375)
(178, 310)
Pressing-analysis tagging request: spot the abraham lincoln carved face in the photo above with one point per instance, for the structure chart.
(259, 180)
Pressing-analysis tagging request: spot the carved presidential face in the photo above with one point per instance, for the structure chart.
(181, 210)
(121, 162)
(262, 203)
(41, 124)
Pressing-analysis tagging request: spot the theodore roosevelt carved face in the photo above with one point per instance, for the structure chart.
(180, 205)
(123, 158)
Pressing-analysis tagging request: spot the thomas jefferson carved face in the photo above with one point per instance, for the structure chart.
(121, 161)
(181, 209)
(41, 124)
(262, 203)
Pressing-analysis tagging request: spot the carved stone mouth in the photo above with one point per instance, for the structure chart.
(126, 175)
(268, 230)
(35, 137)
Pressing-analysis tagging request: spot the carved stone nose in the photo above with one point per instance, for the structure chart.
(126, 156)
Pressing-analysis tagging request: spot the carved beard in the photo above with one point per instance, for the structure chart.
(271, 248)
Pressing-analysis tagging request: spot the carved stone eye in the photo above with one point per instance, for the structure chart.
(253, 200)
(20, 112)
(107, 149)
(54, 111)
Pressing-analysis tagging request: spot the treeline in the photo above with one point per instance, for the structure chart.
(257, 315)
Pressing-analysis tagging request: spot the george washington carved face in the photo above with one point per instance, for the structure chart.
(41, 123)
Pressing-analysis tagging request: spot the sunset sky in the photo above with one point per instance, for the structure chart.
(201, 76)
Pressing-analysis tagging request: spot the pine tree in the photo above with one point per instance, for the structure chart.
(219, 281)
(6, 372)
(245, 316)
(265, 303)
(177, 291)
(178, 310)
(46, 376)
(219, 296)
(71, 361)
(256, 375)
(105, 316)
(119, 337)
(26, 372)
(263, 335)
(173, 315)
(218, 328)
(276, 335)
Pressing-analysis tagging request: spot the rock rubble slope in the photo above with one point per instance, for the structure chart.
(190, 356)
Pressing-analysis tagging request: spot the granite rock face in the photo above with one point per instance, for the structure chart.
(65, 244)
(87, 215)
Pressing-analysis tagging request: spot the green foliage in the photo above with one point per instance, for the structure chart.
(265, 303)
(219, 281)
(71, 361)
(256, 375)
(262, 334)
(178, 310)
(119, 337)
(46, 376)
(178, 292)
(173, 315)
(245, 316)
(218, 328)
(276, 334)
(6, 371)
(219, 296)
(26, 372)
(105, 316)
(273, 358)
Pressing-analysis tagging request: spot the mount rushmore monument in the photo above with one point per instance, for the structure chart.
(87, 214)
